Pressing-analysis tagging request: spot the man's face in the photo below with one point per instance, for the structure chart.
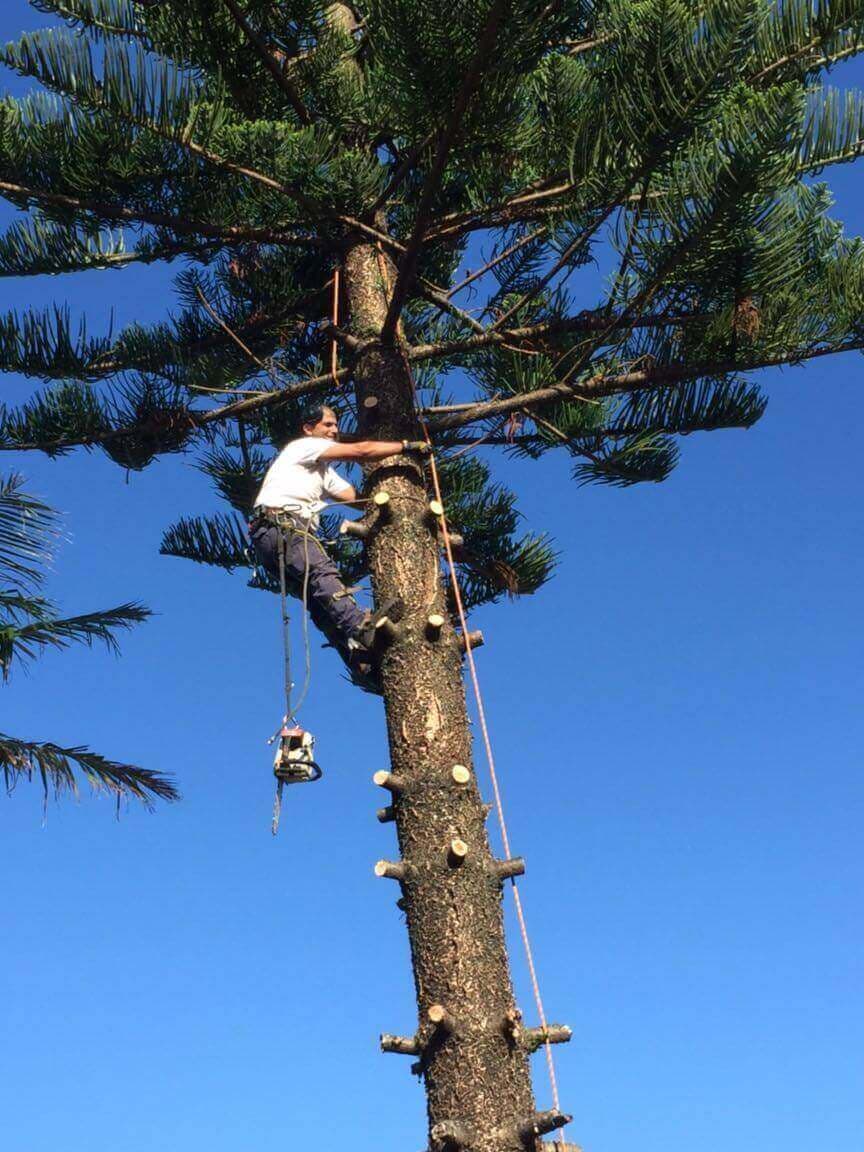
(327, 426)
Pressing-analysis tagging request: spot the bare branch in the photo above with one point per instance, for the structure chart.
(600, 386)
(584, 322)
(443, 303)
(535, 235)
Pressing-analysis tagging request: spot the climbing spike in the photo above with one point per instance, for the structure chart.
(541, 1123)
(354, 528)
(476, 640)
(457, 852)
(434, 624)
(390, 870)
(460, 774)
(400, 1045)
(389, 781)
(507, 869)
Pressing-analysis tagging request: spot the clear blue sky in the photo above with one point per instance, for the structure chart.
(678, 726)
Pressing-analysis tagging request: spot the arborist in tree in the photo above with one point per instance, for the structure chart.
(285, 520)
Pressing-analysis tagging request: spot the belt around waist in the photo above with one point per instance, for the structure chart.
(262, 512)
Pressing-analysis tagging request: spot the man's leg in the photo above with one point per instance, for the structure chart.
(330, 605)
(332, 609)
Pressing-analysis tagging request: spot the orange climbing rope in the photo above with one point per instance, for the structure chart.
(481, 715)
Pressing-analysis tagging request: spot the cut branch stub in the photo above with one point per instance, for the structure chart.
(449, 1135)
(441, 1020)
(385, 631)
(457, 852)
(534, 1038)
(394, 784)
(400, 1045)
(511, 1026)
(456, 541)
(475, 639)
(436, 509)
(434, 624)
(391, 870)
(507, 869)
(370, 404)
(386, 815)
(460, 774)
(542, 1123)
(381, 500)
(355, 528)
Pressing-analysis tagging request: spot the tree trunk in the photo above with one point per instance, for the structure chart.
(468, 1043)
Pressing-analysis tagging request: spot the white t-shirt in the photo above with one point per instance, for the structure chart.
(298, 479)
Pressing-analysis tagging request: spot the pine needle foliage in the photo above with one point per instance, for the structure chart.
(492, 150)
(31, 625)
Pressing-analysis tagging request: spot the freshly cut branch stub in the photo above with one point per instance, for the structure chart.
(456, 541)
(449, 1135)
(507, 869)
(390, 869)
(541, 1123)
(386, 631)
(386, 815)
(389, 781)
(381, 500)
(534, 1038)
(400, 1045)
(457, 852)
(354, 528)
(476, 640)
(438, 1016)
(460, 774)
(434, 624)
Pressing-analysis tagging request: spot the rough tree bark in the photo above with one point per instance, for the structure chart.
(469, 1044)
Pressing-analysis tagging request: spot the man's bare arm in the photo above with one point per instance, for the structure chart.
(363, 450)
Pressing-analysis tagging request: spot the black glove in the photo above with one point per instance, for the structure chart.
(416, 448)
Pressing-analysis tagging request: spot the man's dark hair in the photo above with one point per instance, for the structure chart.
(312, 414)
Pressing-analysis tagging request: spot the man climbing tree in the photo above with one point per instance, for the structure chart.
(285, 518)
(389, 204)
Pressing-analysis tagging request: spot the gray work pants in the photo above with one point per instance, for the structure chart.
(333, 610)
